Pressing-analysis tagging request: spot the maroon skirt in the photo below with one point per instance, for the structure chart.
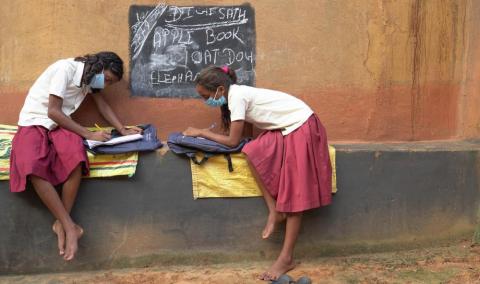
(295, 169)
(50, 155)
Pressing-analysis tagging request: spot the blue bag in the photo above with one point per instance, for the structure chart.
(147, 143)
(189, 146)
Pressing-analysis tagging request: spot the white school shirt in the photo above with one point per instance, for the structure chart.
(267, 109)
(62, 79)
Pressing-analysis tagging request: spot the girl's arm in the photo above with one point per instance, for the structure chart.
(56, 114)
(111, 117)
(231, 140)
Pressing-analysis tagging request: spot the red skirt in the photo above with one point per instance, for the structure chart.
(295, 169)
(50, 155)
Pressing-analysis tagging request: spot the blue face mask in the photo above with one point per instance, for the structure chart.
(98, 81)
(214, 102)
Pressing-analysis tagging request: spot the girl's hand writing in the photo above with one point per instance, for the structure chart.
(99, 136)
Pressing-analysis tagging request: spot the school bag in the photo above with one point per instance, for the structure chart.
(147, 143)
(190, 146)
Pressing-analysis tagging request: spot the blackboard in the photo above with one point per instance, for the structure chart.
(169, 45)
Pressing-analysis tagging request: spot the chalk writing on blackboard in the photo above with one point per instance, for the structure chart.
(169, 45)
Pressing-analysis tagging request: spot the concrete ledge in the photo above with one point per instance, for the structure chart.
(390, 196)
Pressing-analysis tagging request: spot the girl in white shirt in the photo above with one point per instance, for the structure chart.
(289, 159)
(48, 149)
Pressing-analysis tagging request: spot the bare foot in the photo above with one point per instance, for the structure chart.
(280, 267)
(58, 229)
(79, 231)
(72, 236)
(273, 219)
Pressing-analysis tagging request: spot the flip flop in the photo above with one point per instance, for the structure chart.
(304, 280)
(284, 279)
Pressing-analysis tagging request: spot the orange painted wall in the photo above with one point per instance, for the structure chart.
(372, 70)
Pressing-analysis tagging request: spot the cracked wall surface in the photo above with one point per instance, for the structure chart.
(372, 70)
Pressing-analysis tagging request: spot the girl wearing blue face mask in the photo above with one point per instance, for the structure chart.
(290, 158)
(58, 155)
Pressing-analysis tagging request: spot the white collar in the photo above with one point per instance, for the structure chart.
(77, 77)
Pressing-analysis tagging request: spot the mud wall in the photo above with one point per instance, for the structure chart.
(372, 70)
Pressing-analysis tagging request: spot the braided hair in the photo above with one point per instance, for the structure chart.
(213, 77)
(96, 63)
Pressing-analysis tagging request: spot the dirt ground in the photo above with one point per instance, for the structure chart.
(458, 263)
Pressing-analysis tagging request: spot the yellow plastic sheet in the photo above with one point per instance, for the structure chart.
(100, 165)
(212, 179)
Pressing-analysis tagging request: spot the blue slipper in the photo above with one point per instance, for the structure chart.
(304, 280)
(284, 279)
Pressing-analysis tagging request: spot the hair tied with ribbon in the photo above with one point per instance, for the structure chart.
(224, 69)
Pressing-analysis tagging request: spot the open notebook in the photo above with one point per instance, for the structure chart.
(114, 141)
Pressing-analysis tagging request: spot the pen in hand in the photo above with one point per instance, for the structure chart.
(104, 135)
(98, 127)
